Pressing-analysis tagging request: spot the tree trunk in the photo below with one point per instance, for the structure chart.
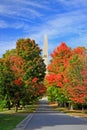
(65, 105)
(16, 107)
(82, 108)
(71, 107)
(8, 104)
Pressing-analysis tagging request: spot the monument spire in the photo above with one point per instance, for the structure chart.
(45, 51)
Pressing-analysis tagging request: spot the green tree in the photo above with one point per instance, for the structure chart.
(31, 53)
(16, 65)
(22, 71)
(9, 53)
(34, 66)
(57, 68)
(76, 75)
(6, 80)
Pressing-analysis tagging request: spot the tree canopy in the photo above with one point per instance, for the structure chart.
(22, 71)
(66, 73)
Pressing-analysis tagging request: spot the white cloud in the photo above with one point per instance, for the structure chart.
(3, 24)
(33, 4)
(58, 26)
(74, 3)
(15, 25)
(6, 46)
(69, 25)
(23, 10)
(81, 41)
(61, 24)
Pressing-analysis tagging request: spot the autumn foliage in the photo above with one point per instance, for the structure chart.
(67, 71)
(22, 71)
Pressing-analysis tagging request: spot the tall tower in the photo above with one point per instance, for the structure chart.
(45, 51)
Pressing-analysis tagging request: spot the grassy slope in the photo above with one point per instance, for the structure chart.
(9, 119)
(79, 113)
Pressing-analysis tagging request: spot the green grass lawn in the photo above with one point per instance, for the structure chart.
(9, 121)
(72, 112)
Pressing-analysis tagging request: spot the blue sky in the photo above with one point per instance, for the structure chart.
(60, 20)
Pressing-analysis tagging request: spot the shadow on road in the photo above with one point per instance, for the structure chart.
(47, 117)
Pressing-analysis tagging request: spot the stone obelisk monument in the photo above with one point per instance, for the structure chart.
(45, 52)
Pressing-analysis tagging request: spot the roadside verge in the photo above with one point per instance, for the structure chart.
(23, 123)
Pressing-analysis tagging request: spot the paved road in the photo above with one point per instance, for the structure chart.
(47, 119)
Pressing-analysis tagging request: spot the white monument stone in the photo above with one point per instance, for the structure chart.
(45, 51)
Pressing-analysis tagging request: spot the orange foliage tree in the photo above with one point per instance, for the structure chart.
(16, 65)
(6, 81)
(67, 74)
(56, 69)
(76, 86)
(34, 67)
(26, 65)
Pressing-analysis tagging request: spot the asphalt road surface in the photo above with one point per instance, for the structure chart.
(47, 119)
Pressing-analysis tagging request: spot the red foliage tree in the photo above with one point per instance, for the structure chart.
(57, 67)
(58, 64)
(77, 85)
(17, 65)
(18, 82)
